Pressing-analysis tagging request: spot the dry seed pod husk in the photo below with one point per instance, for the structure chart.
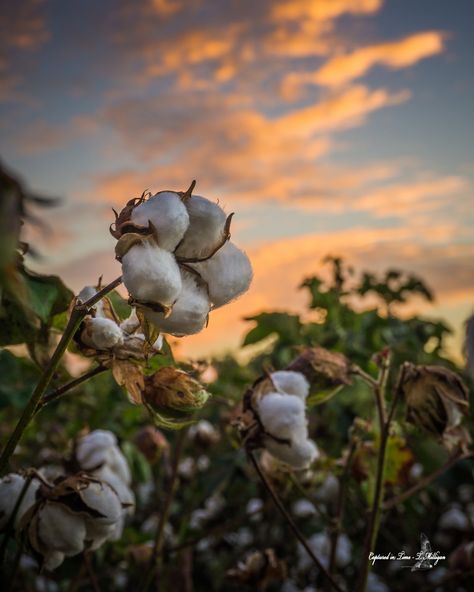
(151, 443)
(259, 570)
(170, 388)
(436, 398)
(322, 368)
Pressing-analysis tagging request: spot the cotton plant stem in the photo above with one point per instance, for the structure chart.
(398, 499)
(291, 522)
(340, 506)
(78, 313)
(376, 510)
(65, 388)
(155, 560)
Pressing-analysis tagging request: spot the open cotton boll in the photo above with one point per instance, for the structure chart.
(189, 314)
(101, 498)
(86, 294)
(91, 450)
(292, 383)
(299, 455)
(151, 274)
(101, 333)
(168, 214)
(120, 487)
(206, 228)
(11, 487)
(281, 414)
(52, 560)
(118, 464)
(59, 529)
(228, 274)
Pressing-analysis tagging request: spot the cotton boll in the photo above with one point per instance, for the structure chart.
(189, 314)
(206, 228)
(118, 464)
(91, 450)
(101, 334)
(281, 414)
(52, 560)
(151, 274)
(454, 519)
(168, 214)
(101, 498)
(130, 324)
(292, 383)
(299, 455)
(303, 508)
(228, 274)
(11, 487)
(59, 529)
(86, 294)
(123, 492)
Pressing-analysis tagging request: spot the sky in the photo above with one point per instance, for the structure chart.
(340, 127)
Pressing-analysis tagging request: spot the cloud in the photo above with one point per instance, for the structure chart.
(322, 10)
(345, 68)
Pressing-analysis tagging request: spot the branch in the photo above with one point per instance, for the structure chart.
(65, 388)
(398, 499)
(291, 522)
(78, 313)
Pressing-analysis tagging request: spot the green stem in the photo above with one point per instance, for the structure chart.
(291, 522)
(76, 318)
(155, 559)
(376, 511)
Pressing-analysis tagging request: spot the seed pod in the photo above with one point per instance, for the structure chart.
(168, 215)
(206, 231)
(436, 398)
(190, 311)
(101, 334)
(258, 570)
(11, 487)
(170, 388)
(151, 443)
(151, 274)
(228, 274)
(322, 368)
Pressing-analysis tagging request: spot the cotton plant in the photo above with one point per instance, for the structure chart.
(63, 511)
(177, 261)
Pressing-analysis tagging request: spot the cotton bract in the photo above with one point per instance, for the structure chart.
(190, 311)
(151, 274)
(168, 215)
(228, 274)
(206, 230)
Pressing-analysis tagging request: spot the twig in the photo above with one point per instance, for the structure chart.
(370, 380)
(341, 498)
(291, 522)
(90, 572)
(155, 559)
(62, 390)
(77, 315)
(398, 499)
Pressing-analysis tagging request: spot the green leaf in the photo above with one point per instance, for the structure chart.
(320, 397)
(19, 376)
(48, 296)
(287, 326)
(121, 306)
(140, 467)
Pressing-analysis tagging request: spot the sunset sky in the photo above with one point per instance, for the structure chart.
(329, 126)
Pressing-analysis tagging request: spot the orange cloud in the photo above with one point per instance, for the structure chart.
(345, 68)
(322, 10)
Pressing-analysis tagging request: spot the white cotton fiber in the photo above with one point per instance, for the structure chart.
(298, 455)
(206, 228)
(292, 383)
(11, 487)
(86, 294)
(282, 415)
(151, 274)
(60, 529)
(168, 214)
(228, 274)
(103, 499)
(100, 333)
(189, 314)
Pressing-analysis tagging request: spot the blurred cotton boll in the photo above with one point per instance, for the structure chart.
(11, 487)
(101, 334)
(228, 274)
(291, 383)
(303, 508)
(151, 274)
(281, 414)
(167, 214)
(100, 448)
(299, 455)
(454, 519)
(320, 544)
